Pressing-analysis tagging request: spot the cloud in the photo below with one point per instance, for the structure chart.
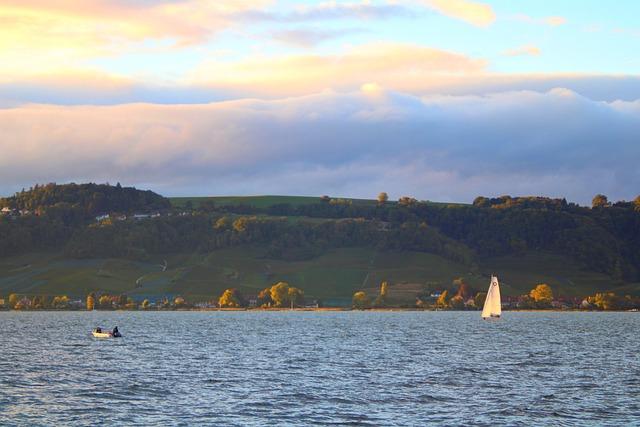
(552, 21)
(82, 88)
(310, 37)
(331, 10)
(357, 144)
(471, 12)
(43, 36)
(396, 66)
(528, 50)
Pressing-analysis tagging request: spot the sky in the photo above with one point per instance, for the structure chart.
(440, 100)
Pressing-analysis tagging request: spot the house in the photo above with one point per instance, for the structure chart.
(6, 211)
(313, 304)
(140, 216)
(102, 217)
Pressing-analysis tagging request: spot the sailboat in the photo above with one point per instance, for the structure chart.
(492, 305)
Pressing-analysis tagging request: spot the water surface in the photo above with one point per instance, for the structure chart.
(320, 368)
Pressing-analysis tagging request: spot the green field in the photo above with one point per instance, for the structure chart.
(267, 201)
(335, 275)
(256, 201)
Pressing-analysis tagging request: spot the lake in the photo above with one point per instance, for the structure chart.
(320, 368)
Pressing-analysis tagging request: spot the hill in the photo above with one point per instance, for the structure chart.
(197, 247)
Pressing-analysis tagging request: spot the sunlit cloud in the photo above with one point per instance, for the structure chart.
(393, 66)
(331, 10)
(39, 36)
(528, 50)
(471, 12)
(552, 21)
(310, 37)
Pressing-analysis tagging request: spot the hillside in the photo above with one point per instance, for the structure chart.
(197, 247)
(332, 277)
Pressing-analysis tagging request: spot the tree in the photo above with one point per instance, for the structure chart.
(464, 291)
(542, 294)
(407, 201)
(13, 300)
(360, 300)
(230, 298)
(457, 303)
(122, 301)
(179, 301)
(383, 198)
(381, 300)
(91, 302)
(294, 295)
(600, 201)
(145, 304)
(264, 298)
(105, 302)
(279, 294)
(605, 301)
(61, 302)
(443, 300)
(636, 203)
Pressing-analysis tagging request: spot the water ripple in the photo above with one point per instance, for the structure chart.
(320, 368)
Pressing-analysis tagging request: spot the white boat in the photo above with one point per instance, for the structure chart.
(492, 305)
(105, 333)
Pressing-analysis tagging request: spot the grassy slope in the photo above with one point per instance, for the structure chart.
(333, 277)
(256, 201)
(266, 201)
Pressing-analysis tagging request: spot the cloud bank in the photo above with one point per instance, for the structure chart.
(449, 148)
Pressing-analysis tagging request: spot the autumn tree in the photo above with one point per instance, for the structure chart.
(145, 304)
(60, 302)
(381, 299)
(407, 201)
(179, 301)
(231, 298)
(13, 300)
(91, 302)
(464, 291)
(360, 300)
(383, 198)
(443, 300)
(542, 294)
(105, 302)
(600, 201)
(605, 301)
(279, 294)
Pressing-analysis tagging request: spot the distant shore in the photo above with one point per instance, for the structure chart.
(320, 309)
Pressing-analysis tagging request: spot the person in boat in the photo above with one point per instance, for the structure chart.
(98, 330)
(116, 333)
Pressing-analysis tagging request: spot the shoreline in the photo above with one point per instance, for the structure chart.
(321, 309)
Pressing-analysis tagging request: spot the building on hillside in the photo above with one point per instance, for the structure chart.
(102, 217)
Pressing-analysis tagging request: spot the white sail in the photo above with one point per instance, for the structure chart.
(492, 305)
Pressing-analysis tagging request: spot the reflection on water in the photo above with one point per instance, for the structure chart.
(300, 368)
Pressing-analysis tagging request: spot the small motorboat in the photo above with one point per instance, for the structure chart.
(101, 333)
